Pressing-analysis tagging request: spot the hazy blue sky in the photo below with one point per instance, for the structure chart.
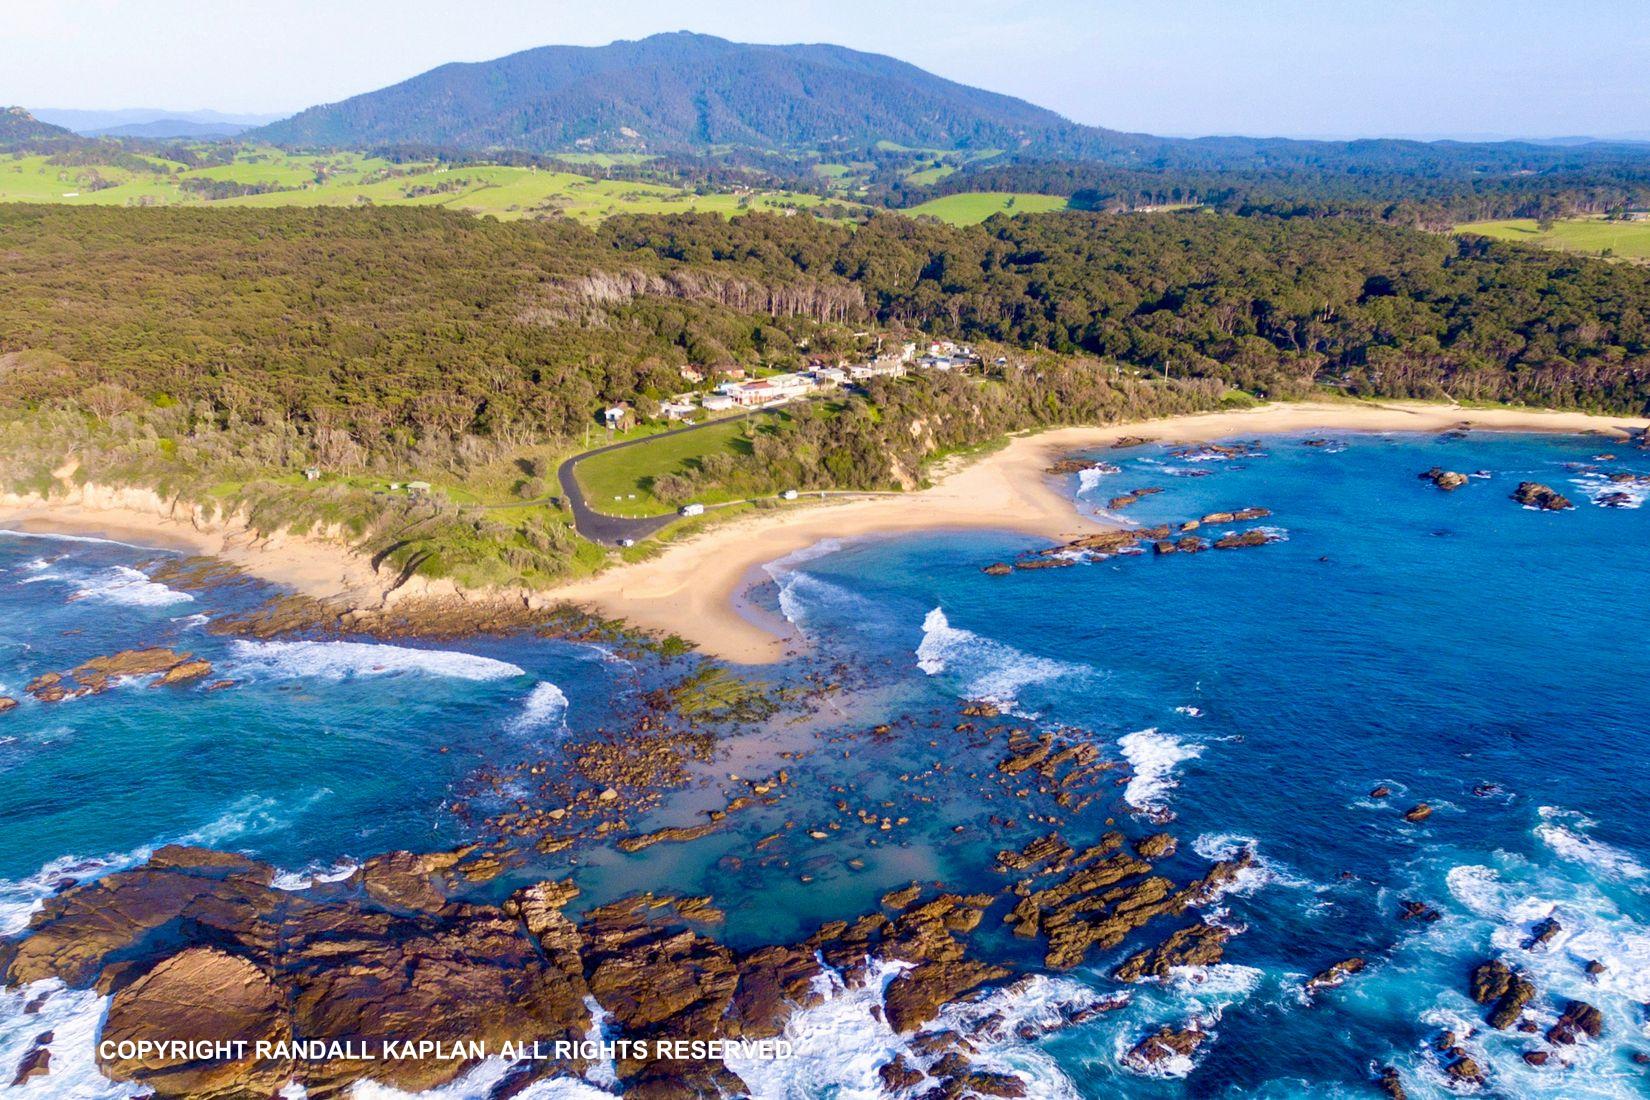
(1327, 67)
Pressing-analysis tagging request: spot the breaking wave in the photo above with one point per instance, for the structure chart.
(1153, 756)
(71, 538)
(19, 899)
(545, 705)
(72, 1018)
(314, 875)
(1570, 841)
(991, 671)
(349, 660)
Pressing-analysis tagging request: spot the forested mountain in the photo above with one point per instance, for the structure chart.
(691, 93)
(679, 92)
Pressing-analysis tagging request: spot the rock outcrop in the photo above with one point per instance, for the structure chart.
(206, 995)
(1496, 984)
(1168, 1043)
(1200, 944)
(1334, 975)
(101, 673)
(1533, 494)
(1447, 480)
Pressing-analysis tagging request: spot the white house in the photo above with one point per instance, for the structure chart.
(877, 368)
(716, 402)
(673, 410)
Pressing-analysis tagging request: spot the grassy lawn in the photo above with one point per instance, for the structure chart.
(618, 482)
(1630, 240)
(975, 207)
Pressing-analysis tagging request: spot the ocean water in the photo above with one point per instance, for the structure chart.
(1481, 657)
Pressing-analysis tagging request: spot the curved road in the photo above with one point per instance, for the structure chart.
(608, 530)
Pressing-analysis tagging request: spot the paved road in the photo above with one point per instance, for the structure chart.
(608, 530)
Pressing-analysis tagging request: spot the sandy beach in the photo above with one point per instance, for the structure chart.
(692, 587)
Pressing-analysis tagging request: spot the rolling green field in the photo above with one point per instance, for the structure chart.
(349, 179)
(975, 207)
(1628, 240)
(617, 483)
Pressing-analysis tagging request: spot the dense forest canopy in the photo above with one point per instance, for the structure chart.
(1591, 180)
(395, 324)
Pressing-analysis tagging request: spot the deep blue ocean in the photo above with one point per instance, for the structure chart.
(1484, 658)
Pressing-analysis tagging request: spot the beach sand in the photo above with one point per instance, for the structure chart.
(693, 587)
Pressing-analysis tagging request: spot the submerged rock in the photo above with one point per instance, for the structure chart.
(36, 1063)
(1543, 931)
(1418, 910)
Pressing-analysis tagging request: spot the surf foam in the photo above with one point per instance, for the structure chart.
(992, 671)
(545, 705)
(1153, 756)
(339, 661)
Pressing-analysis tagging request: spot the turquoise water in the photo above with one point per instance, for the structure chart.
(1481, 657)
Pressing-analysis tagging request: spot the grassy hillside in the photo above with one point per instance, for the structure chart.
(975, 207)
(268, 177)
(1625, 240)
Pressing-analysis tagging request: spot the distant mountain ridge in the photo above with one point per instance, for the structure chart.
(18, 127)
(170, 128)
(91, 122)
(681, 92)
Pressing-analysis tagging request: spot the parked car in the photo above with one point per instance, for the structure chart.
(693, 509)
(627, 542)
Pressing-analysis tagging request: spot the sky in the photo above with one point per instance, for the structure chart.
(1330, 68)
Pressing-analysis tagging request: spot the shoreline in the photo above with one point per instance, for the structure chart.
(694, 587)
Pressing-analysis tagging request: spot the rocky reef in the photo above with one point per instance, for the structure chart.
(101, 673)
(343, 981)
(1533, 494)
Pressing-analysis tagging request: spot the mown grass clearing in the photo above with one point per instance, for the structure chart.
(620, 482)
(1628, 240)
(975, 207)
